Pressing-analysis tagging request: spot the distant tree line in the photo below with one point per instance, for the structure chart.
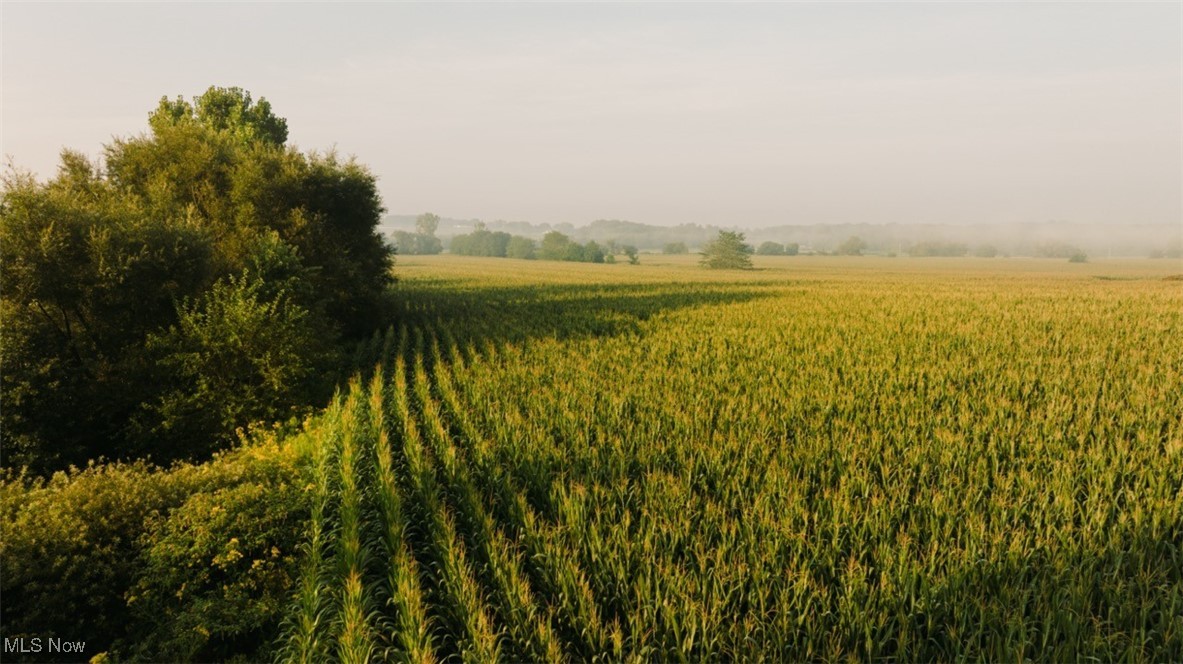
(423, 241)
(554, 246)
(777, 249)
(936, 248)
(498, 244)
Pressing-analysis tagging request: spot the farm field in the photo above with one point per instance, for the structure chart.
(820, 459)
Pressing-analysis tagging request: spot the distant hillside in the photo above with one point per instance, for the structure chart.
(1007, 239)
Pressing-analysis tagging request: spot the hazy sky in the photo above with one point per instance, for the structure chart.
(751, 115)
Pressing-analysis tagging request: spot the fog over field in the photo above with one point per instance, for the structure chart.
(748, 116)
(1033, 239)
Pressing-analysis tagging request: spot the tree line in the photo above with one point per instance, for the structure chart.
(200, 277)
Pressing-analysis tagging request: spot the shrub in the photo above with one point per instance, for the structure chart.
(237, 355)
(217, 572)
(74, 547)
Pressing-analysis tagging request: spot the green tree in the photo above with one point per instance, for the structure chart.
(554, 246)
(727, 252)
(224, 109)
(427, 223)
(423, 241)
(520, 247)
(770, 249)
(675, 248)
(99, 261)
(481, 242)
(243, 351)
(592, 252)
(852, 246)
(792, 248)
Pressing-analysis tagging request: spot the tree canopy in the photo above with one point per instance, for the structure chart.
(851, 246)
(727, 252)
(205, 257)
(224, 109)
(770, 249)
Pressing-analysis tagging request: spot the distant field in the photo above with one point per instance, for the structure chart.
(823, 458)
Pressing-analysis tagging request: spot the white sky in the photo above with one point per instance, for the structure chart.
(750, 115)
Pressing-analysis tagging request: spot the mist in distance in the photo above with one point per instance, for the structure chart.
(758, 116)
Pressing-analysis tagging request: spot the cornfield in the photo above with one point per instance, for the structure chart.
(659, 463)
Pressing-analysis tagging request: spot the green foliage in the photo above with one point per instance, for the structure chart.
(217, 573)
(226, 110)
(792, 248)
(986, 251)
(520, 247)
(852, 246)
(558, 247)
(427, 223)
(675, 248)
(727, 252)
(423, 241)
(417, 244)
(770, 249)
(554, 246)
(592, 252)
(76, 546)
(481, 242)
(96, 261)
(1078, 257)
(237, 354)
(88, 274)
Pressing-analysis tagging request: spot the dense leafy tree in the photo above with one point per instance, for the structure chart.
(727, 251)
(224, 109)
(792, 248)
(427, 223)
(417, 244)
(423, 241)
(169, 262)
(243, 337)
(852, 246)
(481, 242)
(520, 247)
(675, 248)
(593, 252)
(554, 246)
(770, 249)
